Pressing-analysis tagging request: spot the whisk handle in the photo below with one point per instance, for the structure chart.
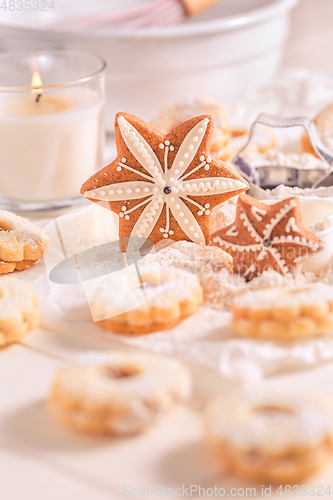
(193, 7)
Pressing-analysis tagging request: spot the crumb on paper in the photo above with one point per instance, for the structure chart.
(213, 269)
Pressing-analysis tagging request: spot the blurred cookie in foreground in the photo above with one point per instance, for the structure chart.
(287, 313)
(172, 116)
(324, 126)
(152, 300)
(18, 309)
(123, 394)
(278, 437)
(21, 242)
(263, 139)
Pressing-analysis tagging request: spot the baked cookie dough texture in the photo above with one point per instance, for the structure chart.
(124, 394)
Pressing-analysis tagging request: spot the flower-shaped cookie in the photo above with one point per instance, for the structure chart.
(164, 185)
(266, 236)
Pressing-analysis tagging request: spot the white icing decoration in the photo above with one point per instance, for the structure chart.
(167, 225)
(115, 195)
(208, 186)
(232, 231)
(291, 225)
(142, 226)
(184, 147)
(279, 216)
(194, 170)
(140, 149)
(159, 178)
(270, 226)
(190, 217)
(258, 213)
(133, 170)
(234, 246)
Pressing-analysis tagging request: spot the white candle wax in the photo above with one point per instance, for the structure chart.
(50, 147)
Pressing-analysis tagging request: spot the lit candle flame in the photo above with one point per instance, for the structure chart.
(36, 83)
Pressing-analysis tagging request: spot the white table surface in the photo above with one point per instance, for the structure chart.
(40, 459)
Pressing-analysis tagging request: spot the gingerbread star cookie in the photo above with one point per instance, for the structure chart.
(164, 186)
(266, 236)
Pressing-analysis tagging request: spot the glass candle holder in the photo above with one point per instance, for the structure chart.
(51, 127)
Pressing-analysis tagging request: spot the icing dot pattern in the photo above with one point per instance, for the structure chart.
(159, 183)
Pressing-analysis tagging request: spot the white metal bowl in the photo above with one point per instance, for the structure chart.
(226, 51)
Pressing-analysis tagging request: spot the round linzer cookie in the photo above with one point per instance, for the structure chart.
(18, 309)
(158, 299)
(266, 236)
(287, 313)
(275, 436)
(21, 242)
(122, 393)
(164, 186)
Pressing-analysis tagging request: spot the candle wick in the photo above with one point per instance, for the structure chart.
(38, 97)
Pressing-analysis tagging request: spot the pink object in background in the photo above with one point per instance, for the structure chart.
(149, 14)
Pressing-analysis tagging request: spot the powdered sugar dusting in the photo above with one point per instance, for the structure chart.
(270, 422)
(223, 214)
(220, 287)
(304, 161)
(126, 290)
(121, 405)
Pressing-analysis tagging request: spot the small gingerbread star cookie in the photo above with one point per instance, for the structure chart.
(266, 236)
(164, 186)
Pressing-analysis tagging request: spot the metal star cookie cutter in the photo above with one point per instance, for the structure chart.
(268, 177)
